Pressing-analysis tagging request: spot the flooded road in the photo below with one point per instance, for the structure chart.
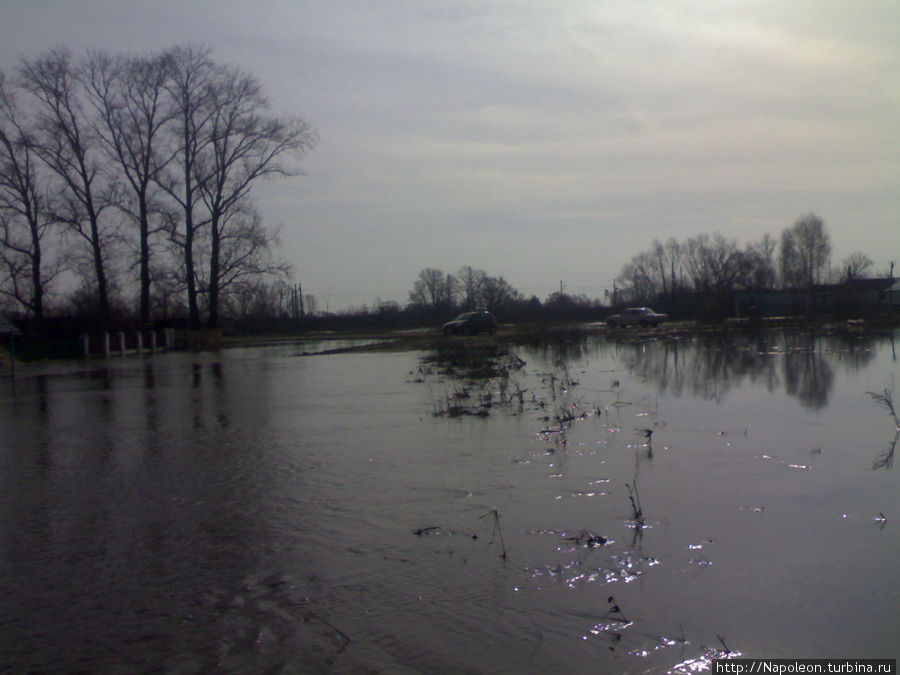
(659, 503)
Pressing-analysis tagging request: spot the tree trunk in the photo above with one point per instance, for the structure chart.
(215, 243)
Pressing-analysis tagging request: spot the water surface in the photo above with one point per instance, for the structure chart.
(260, 510)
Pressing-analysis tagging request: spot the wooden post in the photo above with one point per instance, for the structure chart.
(121, 337)
(106, 344)
(140, 343)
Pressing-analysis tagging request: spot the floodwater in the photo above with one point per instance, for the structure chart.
(260, 510)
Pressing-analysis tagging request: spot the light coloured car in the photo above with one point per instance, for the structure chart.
(636, 316)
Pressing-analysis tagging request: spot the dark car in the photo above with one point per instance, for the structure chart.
(470, 323)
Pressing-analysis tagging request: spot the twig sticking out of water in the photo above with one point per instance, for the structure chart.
(614, 613)
(495, 514)
(636, 509)
(886, 460)
(886, 400)
(722, 640)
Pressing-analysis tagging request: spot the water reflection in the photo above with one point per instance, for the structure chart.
(709, 366)
(252, 511)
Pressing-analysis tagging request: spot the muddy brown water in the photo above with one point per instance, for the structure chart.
(257, 510)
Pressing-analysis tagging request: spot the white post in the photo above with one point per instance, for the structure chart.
(106, 344)
(121, 343)
(140, 343)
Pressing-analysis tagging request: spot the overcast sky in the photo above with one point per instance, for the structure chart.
(546, 142)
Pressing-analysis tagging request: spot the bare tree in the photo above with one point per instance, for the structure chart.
(653, 272)
(854, 266)
(433, 289)
(190, 87)
(245, 145)
(245, 253)
(66, 144)
(25, 213)
(497, 293)
(805, 252)
(132, 111)
(469, 286)
(640, 279)
(716, 263)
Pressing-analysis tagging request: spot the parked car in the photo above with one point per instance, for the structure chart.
(636, 316)
(470, 323)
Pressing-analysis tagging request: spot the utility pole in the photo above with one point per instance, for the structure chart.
(300, 296)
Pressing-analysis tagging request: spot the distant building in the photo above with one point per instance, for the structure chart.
(853, 295)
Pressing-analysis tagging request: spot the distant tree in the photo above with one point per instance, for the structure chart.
(761, 261)
(497, 294)
(68, 146)
(433, 290)
(25, 211)
(640, 279)
(654, 272)
(854, 266)
(716, 263)
(470, 286)
(805, 252)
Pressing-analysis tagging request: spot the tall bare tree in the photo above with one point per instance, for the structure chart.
(239, 144)
(190, 87)
(128, 95)
(25, 213)
(67, 145)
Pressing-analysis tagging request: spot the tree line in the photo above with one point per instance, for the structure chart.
(799, 259)
(695, 277)
(131, 175)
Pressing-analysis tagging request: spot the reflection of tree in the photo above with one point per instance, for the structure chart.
(709, 366)
(809, 377)
(565, 346)
(853, 352)
(807, 374)
(706, 366)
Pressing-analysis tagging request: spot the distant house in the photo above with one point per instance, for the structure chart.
(893, 294)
